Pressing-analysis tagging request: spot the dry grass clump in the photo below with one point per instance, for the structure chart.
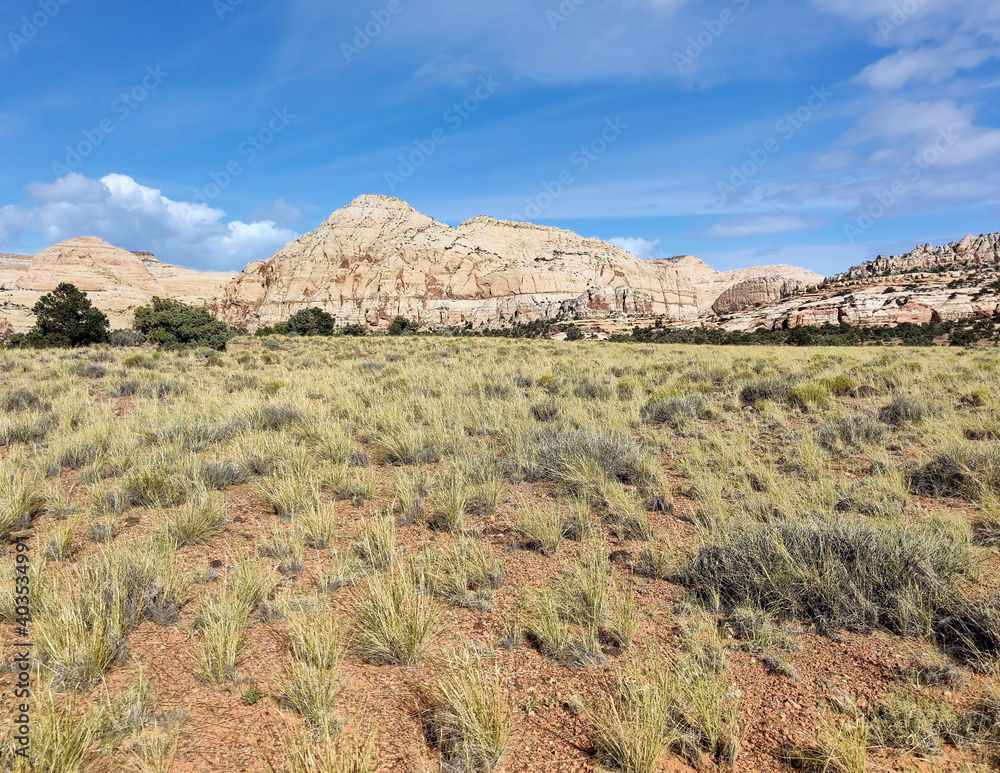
(298, 751)
(290, 491)
(286, 546)
(20, 500)
(194, 522)
(311, 692)
(83, 615)
(840, 747)
(684, 707)
(375, 545)
(904, 410)
(539, 529)
(914, 722)
(409, 492)
(586, 612)
(850, 573)
(470, 715)
(464, 574)
(63, 735)
(222, 623)
(675, 411)
(400, 439)
(394, 618)
(851, 432)
(579, 458)
(963, 470)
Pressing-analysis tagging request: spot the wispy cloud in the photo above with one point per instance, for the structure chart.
(761, 225)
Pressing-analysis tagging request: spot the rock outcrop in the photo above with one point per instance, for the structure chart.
(711, 284)
(756, 291)
(972, 252)
(378, 258)
(116, 280)
(930, 284)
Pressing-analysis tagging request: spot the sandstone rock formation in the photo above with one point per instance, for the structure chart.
(756, 291)
(116, 280)
(711, 284)
(378, 258)
(971, 252)
(930, 284)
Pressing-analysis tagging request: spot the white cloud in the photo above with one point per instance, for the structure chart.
(902, 130)
(761, 225)
(932, 63)
(641, 248)
(453, 71)
(133, 216)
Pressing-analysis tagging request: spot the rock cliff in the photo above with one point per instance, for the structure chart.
(378, 258)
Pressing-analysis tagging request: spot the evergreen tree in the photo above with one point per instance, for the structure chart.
(66, 317)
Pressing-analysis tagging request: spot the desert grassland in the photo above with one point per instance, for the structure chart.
(474, 555)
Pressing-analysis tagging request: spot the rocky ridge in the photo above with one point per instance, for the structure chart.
(116, 280)
(378, 258)
(929, 284)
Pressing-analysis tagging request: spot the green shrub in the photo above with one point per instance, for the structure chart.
(841, 385)
(309, 322)
(843, 574)
(675, 411)
(127, 338)
(402, 326)
(175, 325)
(809, 395)
(770, 389)
(66, 318)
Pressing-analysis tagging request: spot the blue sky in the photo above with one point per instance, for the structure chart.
(818, 133)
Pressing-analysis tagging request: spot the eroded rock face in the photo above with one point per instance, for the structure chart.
(378, 258)
(756, 291)
(971, 252)
(930, 284)
(116, 281)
